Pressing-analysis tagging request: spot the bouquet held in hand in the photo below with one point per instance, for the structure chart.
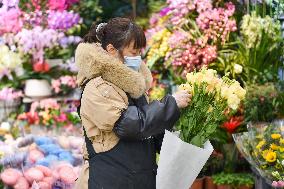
(184, 156)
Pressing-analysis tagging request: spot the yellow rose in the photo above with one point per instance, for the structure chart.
(185, 87)
(190, 78)
(233, 101)
(225, 91)
(275, 136)
(269, 156)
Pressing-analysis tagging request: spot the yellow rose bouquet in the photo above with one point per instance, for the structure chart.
(211, 97)
(183, 154)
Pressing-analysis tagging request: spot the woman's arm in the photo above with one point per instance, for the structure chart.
(152, 119)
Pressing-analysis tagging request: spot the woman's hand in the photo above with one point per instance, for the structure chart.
(183, 98)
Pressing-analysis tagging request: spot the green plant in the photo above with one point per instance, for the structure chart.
(233, 179)
(263, 103)
(258, 51)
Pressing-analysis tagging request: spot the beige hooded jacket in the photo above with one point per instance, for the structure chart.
(104, 96)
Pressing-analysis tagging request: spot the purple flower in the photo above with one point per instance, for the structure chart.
(164, 11)
(63, 42)
(62, 20)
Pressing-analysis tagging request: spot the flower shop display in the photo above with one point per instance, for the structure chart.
(50, 116)
(40, 162)
(10, 100)
(37, 31)
(189, 39)
(255, 56)
(263, 146)
(263, 98)
(211, 97)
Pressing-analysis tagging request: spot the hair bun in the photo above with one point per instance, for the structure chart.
(100, 31)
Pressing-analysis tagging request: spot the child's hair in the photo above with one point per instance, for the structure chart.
(117, 31)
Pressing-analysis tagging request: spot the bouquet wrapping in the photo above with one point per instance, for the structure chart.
(183, 156)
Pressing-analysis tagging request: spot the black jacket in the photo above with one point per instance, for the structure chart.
(131, 164)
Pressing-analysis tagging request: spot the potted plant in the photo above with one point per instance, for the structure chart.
(233, 181)
(223, 180)
(245, 181)
(37, 79)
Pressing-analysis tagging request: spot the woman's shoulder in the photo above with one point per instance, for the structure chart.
(100, 88)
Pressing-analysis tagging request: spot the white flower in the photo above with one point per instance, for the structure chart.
(238, 69)
(283, 162)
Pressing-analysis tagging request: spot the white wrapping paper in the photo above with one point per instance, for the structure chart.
(180, 162)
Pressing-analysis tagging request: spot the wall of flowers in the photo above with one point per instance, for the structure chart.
(40, 130)
(238, 43)
(242, 41)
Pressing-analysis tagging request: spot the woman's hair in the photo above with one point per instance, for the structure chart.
(117, 31)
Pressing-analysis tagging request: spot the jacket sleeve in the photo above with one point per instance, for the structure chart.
(149, 120)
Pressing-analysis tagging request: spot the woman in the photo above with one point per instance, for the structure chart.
(122, 130)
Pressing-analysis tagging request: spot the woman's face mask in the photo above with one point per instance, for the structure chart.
(129, 55)
(133, 62)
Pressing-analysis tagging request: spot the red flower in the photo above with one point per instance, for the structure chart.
(41, 67)
(232, 124)
(31, 118)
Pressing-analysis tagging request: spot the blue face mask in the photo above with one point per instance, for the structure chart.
(133, 62)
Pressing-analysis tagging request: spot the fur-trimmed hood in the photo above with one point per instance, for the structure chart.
(93, 61)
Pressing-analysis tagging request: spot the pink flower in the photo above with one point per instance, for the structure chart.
(55, 84)
(10, 21)
(49, 104)
(62, 118)
(278, 184)
(57, 5)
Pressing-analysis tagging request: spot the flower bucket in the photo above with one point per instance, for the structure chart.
(180, 162)
(7, 107)
(38, 88)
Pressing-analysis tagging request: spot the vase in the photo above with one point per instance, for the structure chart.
(198, 184)
(208, 184)
(38, 88)
(224, 187)
(7, 107)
